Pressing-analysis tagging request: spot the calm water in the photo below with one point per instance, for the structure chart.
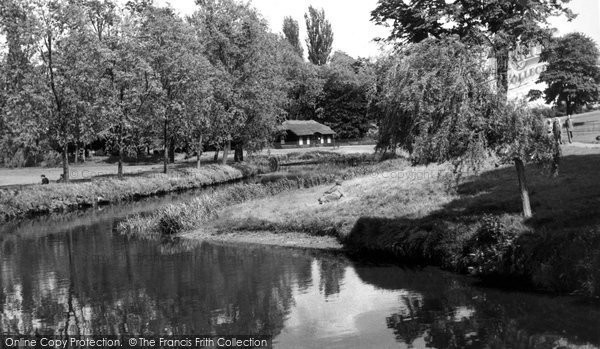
(73, 274)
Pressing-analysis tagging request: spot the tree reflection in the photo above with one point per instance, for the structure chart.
(332, 275)
(445, 311)
(94, 283)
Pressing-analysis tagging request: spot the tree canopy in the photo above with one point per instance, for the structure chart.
(502, 25)
(320, 36)
(291, 30)
(572, 74)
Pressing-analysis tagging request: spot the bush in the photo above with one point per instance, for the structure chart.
(169, 221)
(490, 250)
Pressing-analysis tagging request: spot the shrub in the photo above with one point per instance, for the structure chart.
(490, 250)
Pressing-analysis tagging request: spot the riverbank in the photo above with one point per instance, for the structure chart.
(414, 215)
(174, 219)
(61, 197)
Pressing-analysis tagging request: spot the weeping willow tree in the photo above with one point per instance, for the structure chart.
(438, 102)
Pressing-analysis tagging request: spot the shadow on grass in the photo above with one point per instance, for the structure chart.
(557, 249)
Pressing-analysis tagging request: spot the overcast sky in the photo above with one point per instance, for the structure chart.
(354, 32)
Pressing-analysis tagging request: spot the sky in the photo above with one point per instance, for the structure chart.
(354, 32)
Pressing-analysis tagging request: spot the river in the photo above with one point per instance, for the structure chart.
(73, 274)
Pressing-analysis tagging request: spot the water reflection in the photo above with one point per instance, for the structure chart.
(84, 279)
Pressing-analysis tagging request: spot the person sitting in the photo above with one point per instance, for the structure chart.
(45, 180)
(61, 179)
(333, 194)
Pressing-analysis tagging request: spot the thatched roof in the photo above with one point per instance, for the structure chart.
(306, 127)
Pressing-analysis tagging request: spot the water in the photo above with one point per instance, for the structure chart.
(73, 274)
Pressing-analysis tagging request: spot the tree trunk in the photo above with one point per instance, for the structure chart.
(502, 57)
(172, 150)
(76, 160)
(199, 152)
(66, 162)
(523, 187)
(83, 154)
(216, 157)
(120, 165)
(239, 153)
(226, 152)
(165, 148)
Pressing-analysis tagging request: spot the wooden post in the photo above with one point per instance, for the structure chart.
(523, 187)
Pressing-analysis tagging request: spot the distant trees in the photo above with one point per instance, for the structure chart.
(572, 74)
(345, 100)
(320, 36)
(291, 30)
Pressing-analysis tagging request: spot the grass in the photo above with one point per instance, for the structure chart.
(104, 166)
(474, 227)
(188, 216)
(59, 197)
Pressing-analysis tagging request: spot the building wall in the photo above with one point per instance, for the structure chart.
(316, 140)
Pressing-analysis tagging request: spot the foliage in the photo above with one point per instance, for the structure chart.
(572, 74)
(291, 30)
(250, 91)
(345, 100)
(437, 103)
(503, 25)
(490, 249)
(320, 36)
(518, 133)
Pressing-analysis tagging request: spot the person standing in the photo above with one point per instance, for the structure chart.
(556, 129)
(569, 127)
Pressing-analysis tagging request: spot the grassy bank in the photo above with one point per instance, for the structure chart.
(178, 218)
(60, 197)
(415, 215)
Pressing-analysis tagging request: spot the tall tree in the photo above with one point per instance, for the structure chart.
(21, 103)
(128, 89)
(68, 57)
(249, 90)
(572, 74)
(172, 50)
(320, 36)
(291, 30)
(502, 25)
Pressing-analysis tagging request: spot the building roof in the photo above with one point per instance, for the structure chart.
(306, 127)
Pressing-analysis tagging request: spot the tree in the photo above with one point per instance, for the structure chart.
(572, 73)
(22, 127)
(437, 103)
(68, 60)
(320, 36)
(344, 101)
(291, 30)
(519, 136)
(128, 89)
(250, 92)
(172, 50)
(502, 25)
